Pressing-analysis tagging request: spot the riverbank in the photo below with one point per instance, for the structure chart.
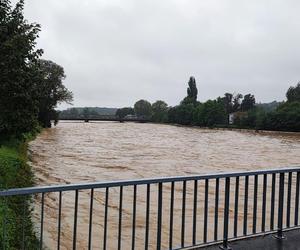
(15, 213)
(237, 129)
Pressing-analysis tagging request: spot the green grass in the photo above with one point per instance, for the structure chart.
(15, 212)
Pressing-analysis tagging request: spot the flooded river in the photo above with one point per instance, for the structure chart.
(103, 151)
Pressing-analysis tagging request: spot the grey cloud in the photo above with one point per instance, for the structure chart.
(116, 51)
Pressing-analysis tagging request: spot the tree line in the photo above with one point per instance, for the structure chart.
(231, 110)
(30, 87)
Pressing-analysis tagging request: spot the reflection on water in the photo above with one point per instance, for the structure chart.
(89, 152)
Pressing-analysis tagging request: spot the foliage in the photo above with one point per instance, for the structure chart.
(123, 112)
(286, 117)
(293, 93)
(30, 88)
(210, 113)
(268, 107)
(142, 108)
(160, 111)
(14, 172)
(192, 92)
(248, 102)
(93, 112)
(18, 58)
(51, 91)
(182, 114)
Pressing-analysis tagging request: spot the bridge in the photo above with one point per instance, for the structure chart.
(185, 212)
(107, 118)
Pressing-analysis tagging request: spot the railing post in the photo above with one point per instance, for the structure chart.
(280, 207)
(226, 215)
(4, 223)
(159, 215)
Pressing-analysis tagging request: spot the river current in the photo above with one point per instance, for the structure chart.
(102, 151)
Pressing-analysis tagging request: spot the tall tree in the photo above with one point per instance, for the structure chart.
(192, 92)
(51, 91)
(248, 102)
(293, 93)
(236, 102)
(18, 58)
(227, 99)
(142, 108)
(159, 111)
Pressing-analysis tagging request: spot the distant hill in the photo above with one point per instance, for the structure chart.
(83, 112)
(268, 107)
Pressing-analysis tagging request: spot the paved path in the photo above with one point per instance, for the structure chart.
(268, 242)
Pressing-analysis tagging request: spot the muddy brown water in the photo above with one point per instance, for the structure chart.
(104, 151)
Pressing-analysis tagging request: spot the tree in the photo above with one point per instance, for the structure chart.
(159, 111)
(286, 117)
(293, 93)
(182, 114)
(227, 99)
(123, 112)
(51, 91)
(248, 102)
(237, 102)
(18, 59)
(192, 92)
(142, 108)
(74, 113)
(86, 113)
(210, 113)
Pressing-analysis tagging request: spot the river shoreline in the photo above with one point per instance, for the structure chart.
(234, 129)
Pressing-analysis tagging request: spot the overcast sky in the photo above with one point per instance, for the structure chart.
(115, 52)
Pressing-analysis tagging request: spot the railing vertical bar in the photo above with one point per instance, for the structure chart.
(159, 215)
(246, 205)
(280, 206)
(195, 212)
(105, 217)
(42, 221)
(205, 211)
(216, 209)
(297, 199)
(254, 204)
(91, 219)
(236, 206)
(133, 218)
(171, 216)
(75, 220)
(226, 213)
(263, 216)
(147, 217)
(183, 213)
(4, 223)
(23, 224)
(288, 204)
(120, 218)
(272, 201)
(59, 220)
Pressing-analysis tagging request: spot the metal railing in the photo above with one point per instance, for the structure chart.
(163, 213)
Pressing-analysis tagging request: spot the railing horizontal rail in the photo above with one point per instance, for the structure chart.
(157, 213)
(70, 187)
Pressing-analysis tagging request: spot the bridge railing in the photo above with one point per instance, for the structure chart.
(161, 213)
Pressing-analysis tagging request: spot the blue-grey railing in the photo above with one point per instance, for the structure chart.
(232, 206)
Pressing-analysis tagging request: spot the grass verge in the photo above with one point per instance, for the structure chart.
(16, 227)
